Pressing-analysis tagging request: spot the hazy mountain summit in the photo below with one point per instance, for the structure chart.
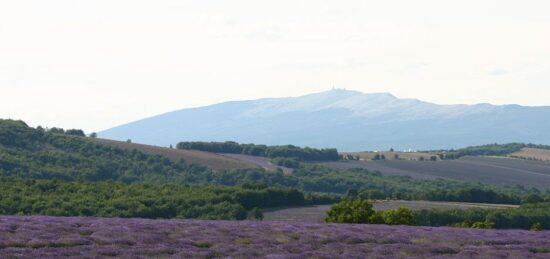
(347, 120)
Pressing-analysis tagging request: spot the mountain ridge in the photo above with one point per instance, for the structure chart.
(347, 120)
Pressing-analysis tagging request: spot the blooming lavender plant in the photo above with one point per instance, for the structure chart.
(59, 237)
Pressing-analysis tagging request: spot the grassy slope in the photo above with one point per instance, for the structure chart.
(211, 160)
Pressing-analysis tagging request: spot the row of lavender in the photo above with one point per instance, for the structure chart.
(55, 237)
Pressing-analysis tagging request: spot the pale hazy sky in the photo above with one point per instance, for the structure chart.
(96, 64)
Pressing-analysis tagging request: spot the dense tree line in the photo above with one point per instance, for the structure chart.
(535, 216)
(527, 216)
(372, 185)
(473, 194)
(360, 211)
(113, 199)
(289, 151)
(487, 150)
(361, 183)
(72, 132)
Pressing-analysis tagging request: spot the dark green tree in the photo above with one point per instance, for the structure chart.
(399, 216)
(357, 211)
(255, 214)
(536, 227)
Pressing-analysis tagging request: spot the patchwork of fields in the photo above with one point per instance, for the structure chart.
(317, 214)
(56, 237)
(488, 170)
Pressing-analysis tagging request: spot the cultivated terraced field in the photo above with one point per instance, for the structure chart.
(211, 160)
(317, 214)
(533, 153)
(59, 237)
(489, 170)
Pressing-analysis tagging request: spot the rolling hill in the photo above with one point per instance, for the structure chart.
(61, 172)
(488, 170)
(347, 120)
(210, 160)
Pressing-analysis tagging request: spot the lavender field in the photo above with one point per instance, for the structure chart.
(55, 237)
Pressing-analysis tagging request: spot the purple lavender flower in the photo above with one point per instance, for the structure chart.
(62, 237)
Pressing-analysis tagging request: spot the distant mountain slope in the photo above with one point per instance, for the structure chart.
(347, 120)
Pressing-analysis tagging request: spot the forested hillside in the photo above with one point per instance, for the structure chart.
(44, 154)
(44, 170)
(54, 154)
(112, 199)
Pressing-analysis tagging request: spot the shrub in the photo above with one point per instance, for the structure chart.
(399, 216)
(290, 162)
(536, 227)
(487, 224)
(356, 211)
(255, 214)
